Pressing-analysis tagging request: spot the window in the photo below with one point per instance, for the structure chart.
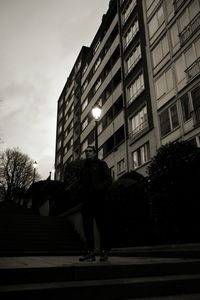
(85, 103)
(168, 120)
(85, 85)
(141, 156)
(196, 103)
(121, 166)
(85, 123)
(112, 172)
(192, 60)
(164, 84)
(186, 60)
(98, 62)
(69, 144)
(128, 10)
(149, 3)
(97, 46)
(85, 68)
(198, 141)
(193, 9)
(97, 85)
(189, 13)
(156, 22)
(139, 122)
(189, 56)
(84, 145)
(180, 69)
(135, 88)
(170, 8)
(58, 160)
(175, 37)
(69, 128)
(197, 48)
(186, 107)
(60, 103)
(59, 145)
(65, 150)
(161, 50)
(133, 58)
(59, 129)
(79, 65)
(66, 117)
(60, 116)
(131, 33)
(184, 20)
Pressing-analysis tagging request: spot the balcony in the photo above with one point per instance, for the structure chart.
(193, 70)
(192, 27)
(131, 8)
(138, 131)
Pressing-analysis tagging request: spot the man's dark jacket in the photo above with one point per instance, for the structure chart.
(95, 178)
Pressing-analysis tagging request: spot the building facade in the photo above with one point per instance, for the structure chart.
(173, 38)
(142, 68)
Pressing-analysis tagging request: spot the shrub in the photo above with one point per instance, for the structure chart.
(173, 183)
(130, 210)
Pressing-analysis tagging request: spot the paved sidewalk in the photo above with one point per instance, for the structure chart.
(63, 261)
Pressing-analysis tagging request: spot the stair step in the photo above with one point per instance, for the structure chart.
(107, 289)
(92, 271)
(34, 233)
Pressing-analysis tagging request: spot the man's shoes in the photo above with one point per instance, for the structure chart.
(103, 255)
(89, 257)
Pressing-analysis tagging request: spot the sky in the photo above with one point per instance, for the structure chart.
(39, 43)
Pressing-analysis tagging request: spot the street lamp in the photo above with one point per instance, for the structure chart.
(34, 169)
(52, 172)
(96, 113)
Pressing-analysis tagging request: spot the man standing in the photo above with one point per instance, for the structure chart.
(95, 180)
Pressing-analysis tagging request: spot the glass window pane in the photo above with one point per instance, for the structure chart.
(174, 116)
(186, 107)
(165, 123)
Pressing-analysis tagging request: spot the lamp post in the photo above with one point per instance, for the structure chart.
(34, 169)
(52, 172)
(96, 113)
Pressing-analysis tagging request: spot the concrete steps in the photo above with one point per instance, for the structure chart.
(105, 289)
(121, 278)
(34, 234)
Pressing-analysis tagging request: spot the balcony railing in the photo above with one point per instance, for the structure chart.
(140, 129)
(193, 70)
(192, 27)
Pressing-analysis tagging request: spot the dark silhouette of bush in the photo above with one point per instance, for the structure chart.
(130, 211)
(173, 192)
(47, 190)
(71, 182)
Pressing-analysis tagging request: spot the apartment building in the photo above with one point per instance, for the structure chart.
(173, 52)
(112, 72)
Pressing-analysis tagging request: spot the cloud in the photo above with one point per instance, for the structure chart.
(40, 41)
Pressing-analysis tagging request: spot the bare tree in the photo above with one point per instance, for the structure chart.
(16, 173)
